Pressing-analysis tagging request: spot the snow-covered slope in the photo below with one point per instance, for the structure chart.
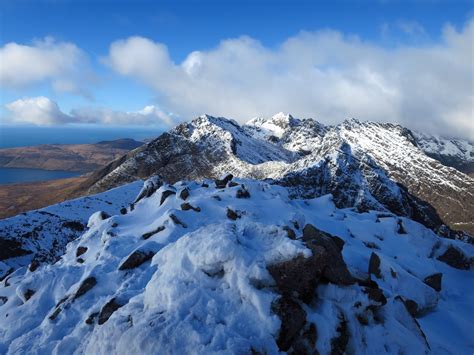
(456, 153)
(192, 268)
(363, 164)
(42, 235)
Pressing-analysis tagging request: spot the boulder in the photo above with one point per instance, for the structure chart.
(434, 281)
(293, 319)
(222, 183)
(374, 265)
(149, 188)
(153, 232)
(242, 193)
(86, 286)
(177, 221)
(187, 206)
(455, 258)
(108, 309)
(184, 193)
(231, 214)
(165, 195)
(80, 250)
(136, 259)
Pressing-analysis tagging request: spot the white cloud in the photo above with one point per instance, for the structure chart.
(324, 75)
(43, 111)
(60, 63)
(37, 110)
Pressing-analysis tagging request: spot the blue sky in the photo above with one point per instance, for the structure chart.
(100, 85)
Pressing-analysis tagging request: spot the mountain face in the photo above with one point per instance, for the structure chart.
(69, 157)
(456, 153)
(241, 266)
(365, 165)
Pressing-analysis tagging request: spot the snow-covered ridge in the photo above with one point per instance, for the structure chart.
(200, 268)
(42, 235)
(360, 163)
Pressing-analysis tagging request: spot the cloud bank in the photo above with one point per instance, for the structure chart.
(42, 111)
(61, 64)
(325, 75)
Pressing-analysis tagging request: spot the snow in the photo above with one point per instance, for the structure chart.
(207, 288)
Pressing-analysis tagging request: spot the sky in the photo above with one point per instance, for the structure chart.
(156, 63)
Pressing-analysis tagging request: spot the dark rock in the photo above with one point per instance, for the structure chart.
(184, 194)
(242, 193)
(86, 286)
(187, 206)
(3, 300)
(108, 309)
(306, 342)
(28, 294)
(153, 232)
(177, 221)
(339, 343)
(222, 183)
(34, 265)
(375, 294)
(215, 197)
(401, 228)
(434, 281)
(91, 319)
(104, 215)
(165, 195)
(232, 184)
(123, 210)
(329, 259)
(374, 265)
(412, 307)
(455, 258)
(136, 259)
(205, 185)
(231, 214)
(290, 232)
(149, 188)
(74, 225)
(293, 319)
(55, 314)
(11, 248)
(80, 260)
(80, 250)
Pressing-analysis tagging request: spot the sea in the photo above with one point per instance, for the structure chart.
(21, 136)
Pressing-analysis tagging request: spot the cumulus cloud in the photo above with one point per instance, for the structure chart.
(325, 75)
(43, 111)
(60, 63)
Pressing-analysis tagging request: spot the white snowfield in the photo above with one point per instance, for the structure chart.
(175, 276)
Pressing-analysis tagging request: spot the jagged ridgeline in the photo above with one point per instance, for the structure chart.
(240, 266)
(365, 165)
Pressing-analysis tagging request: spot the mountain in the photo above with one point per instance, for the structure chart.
(69, 157)
(456, 153)
(241, 266)
(366, 165)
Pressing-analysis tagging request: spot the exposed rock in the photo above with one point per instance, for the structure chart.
(339, 343)
(34, 265)
(86, 286)
(222, 183)
(28, 294)
(400, 227)
(184, 193)
(242, 193)
(375, 294)
(108, 309)
(3, 300)
(412, 307)
(434, 281)
(104, 215)
(123, 210)
(149, 188)
(80, 260)
(10, 248)
(153, 232)
(330, 260)
(165, 195)
(136, 259)
(80, 250)
(55, 314)
(455, 258)
(374, 266)
(91, 318)
(187, 206)
(291, 233)
(306, 342)
(74, 225)
(232, 184)
(292, 317)
(177, 221)
(231, 214)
